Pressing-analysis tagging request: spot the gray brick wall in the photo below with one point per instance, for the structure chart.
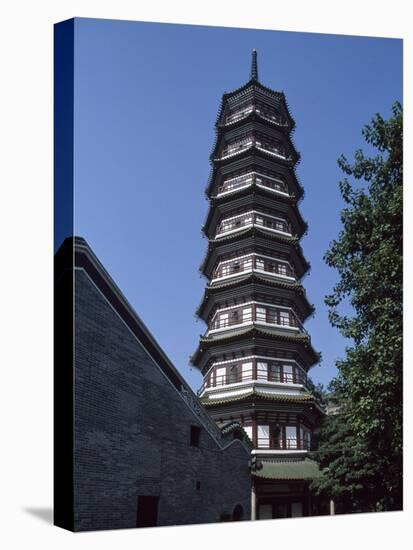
(132, 432)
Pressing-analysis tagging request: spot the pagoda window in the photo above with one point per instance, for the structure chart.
(288, 374)
(282, 269)
(274, 182)
(263, 436)
(221, 376)
(262, 370)
(225, 270)
(247, 264)
(239, 112)
(284, 318)
(261, 141)
(273, 146)
(259, 264)
(237, 144)
(276, 435)
(233, 267)
(291, 437)
(274, 372)
(272, 316)
(249, 218)
(226, 226)
(223, 319)
(234, 317)
(246, 373)
(272, 223)
(246, 314)
(268, 112)
(261, 314)
(233, 375)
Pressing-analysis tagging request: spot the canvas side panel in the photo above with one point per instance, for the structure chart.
(63, 274)
(63, 131)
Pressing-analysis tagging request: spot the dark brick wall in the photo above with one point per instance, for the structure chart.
(132, 433)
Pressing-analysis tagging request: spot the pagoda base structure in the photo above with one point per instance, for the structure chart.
(281, 468)
(281, 488)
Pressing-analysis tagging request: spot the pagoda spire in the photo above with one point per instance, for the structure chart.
(254, 65)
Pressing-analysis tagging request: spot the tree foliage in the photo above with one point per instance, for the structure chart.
(362, 445)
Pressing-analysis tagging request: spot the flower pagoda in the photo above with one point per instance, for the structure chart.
(255, 353)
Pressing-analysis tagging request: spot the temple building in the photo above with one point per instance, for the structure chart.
(256, 353)
(133, 445)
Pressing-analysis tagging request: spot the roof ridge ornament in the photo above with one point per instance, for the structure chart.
(254, 65)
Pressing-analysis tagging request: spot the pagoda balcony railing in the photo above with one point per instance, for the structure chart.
(292, 443)
(256, 314)
(238, 114)
(270, 115)
(263, 111)
(252, 179)
(236, 147)
(254, 374)
(253, 218)
(252, 140)
(253, 263)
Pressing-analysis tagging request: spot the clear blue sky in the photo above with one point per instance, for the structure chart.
(146, 100)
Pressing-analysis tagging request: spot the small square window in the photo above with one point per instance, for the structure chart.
(195, 434)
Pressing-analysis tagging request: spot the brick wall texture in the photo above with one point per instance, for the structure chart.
(132, 433)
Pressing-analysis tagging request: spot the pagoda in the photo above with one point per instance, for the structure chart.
(256, 353)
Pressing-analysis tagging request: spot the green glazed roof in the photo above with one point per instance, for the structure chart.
(288, 469)
(306, 397)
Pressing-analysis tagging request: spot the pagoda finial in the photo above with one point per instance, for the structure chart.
(254, 65)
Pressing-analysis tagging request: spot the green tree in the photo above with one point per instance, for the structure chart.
(362, 445)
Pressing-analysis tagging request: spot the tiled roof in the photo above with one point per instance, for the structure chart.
(253, 229)
(282, 398)
(255, 331)
(288, 469)
(251, 276)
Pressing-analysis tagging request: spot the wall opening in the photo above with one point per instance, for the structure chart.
(195, 435)
(238, 513)
(147, 513)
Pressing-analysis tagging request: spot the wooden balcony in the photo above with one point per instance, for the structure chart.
(237, 114)
(250, 139)
(238, 373)
(256, 373)
(265, 111)
(253, 218)
(252, 179)
(253, 263)
(255, 313)
(290, 443)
